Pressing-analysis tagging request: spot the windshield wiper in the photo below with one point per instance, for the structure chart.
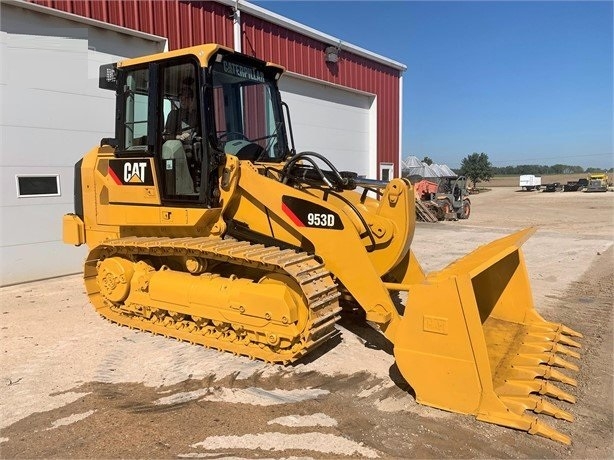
(272, 138)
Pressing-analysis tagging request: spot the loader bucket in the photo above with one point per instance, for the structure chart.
(471, 342)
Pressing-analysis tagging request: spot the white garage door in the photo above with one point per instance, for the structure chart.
(338, 123)
(52, 113)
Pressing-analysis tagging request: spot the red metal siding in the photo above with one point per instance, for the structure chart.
(184, 23)
(187, 23)
(305, 56)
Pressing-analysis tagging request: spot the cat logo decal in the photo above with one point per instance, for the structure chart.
(131, 172)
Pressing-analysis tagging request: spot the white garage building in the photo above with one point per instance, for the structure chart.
(345, 106)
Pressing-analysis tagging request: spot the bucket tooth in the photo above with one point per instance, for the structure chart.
(536, 404)
(546, 431)
(543, 371)
(524, 422)
(566, 351)
(548, 373)
(551, 359)
(537, 347)
(540, 335)
(557, 328)
(569, 331)
(526, 387)
(553, 374)
(565, 340)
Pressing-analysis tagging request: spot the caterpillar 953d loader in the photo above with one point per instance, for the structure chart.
(204, 225)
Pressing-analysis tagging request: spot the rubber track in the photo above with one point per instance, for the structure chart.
(314, 280)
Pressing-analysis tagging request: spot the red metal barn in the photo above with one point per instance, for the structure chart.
(345, 101)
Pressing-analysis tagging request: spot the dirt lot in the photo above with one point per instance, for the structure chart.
(73, 385)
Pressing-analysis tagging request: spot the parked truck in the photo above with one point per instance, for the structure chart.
(530, 182)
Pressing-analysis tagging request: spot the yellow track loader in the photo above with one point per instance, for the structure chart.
(205, 225)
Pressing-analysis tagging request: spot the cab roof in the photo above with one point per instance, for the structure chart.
(202, 52)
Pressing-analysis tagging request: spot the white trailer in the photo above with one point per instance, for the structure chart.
(530, 182)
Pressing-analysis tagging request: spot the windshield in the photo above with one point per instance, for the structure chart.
(247, 114)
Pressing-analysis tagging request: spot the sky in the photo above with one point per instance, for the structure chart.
(526, 82)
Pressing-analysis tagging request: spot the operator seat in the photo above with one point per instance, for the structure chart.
(172, 150)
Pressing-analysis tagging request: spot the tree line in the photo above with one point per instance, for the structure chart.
(477, 168)
(539, 170)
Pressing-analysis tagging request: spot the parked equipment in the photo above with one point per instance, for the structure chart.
(582, 184)
(571, 186)
(574, 186)
(455, 196)
(553, 187)
(448, 200)
(213, 231)
(597, 183)
(530, 182)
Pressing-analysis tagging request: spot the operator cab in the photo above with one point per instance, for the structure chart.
(189, 110)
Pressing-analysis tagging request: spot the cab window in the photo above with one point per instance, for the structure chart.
(247, 120)
(181, 153)
(136, 102)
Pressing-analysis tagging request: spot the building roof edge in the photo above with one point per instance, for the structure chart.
(277, 19)
(84, 20)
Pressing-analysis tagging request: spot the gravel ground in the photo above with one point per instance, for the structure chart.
(73, 385)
